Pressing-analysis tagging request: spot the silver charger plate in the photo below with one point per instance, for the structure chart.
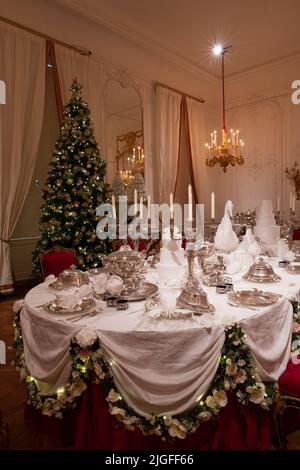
(253, 298)
(293, 268)
(146, 291)
(86, 304)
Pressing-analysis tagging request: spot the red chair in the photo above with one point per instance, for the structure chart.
(296, 234)
(56, 260)
(288, 399)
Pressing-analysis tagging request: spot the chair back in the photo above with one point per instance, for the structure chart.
(56, 260)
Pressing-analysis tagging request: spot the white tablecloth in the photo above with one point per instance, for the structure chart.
(160, 366)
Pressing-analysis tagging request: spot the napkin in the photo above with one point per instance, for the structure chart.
(85, 291)
(250, 244)
(225, 238)
(67, 300)
(289, 256)
(167, 300)
(100, 283)
(115, 285)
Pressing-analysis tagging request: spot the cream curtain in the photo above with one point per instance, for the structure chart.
(72, 65)
(167, 104)
(196, 124)
(22, 66)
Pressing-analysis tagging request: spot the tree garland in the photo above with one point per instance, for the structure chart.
(236, 374)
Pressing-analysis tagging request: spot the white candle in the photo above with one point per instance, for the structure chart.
(213, 210)
(113, 203)
(278, 203)
(135, 202)
(171, 206)
(149, 207)
(293, 203)
(190, 198)
(141, 207)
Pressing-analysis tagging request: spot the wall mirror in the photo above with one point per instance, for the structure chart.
(123, 129)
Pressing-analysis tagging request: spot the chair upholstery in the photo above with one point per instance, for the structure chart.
(289, 382)
(54, 261)
(288, 399)
(296, 234)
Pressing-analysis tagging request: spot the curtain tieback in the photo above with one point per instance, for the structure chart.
(4, 241)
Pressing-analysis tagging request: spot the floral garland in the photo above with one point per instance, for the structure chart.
(295, 348)
(236, 374)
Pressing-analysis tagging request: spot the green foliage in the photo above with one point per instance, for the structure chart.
(74, 189)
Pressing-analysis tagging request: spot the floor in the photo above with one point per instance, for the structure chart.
(25, 432)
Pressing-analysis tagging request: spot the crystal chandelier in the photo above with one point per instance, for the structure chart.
(230, 150)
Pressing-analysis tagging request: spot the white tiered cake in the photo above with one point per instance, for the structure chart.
(266, 229)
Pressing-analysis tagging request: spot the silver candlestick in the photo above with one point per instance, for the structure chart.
(212, 229)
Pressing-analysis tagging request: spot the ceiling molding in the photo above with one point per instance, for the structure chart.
(264, 67)
(151, 44)
(147, 43)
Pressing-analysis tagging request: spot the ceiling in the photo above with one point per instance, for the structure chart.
(260, 31)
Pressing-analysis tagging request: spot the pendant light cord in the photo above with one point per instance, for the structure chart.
(223, 92)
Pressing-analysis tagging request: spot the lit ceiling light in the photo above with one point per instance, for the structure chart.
(218, 49)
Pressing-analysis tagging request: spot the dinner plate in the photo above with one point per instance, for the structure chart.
(84, 306)
(254, 298)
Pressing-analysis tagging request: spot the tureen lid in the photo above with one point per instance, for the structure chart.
(125, 252)
(261, 270)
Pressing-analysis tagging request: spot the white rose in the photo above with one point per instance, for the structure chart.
(86, 337)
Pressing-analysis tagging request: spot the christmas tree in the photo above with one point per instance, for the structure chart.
(74, 189)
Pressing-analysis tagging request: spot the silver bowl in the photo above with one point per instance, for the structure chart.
(261, 271)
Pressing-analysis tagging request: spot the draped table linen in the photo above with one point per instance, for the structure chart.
(160, 366)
